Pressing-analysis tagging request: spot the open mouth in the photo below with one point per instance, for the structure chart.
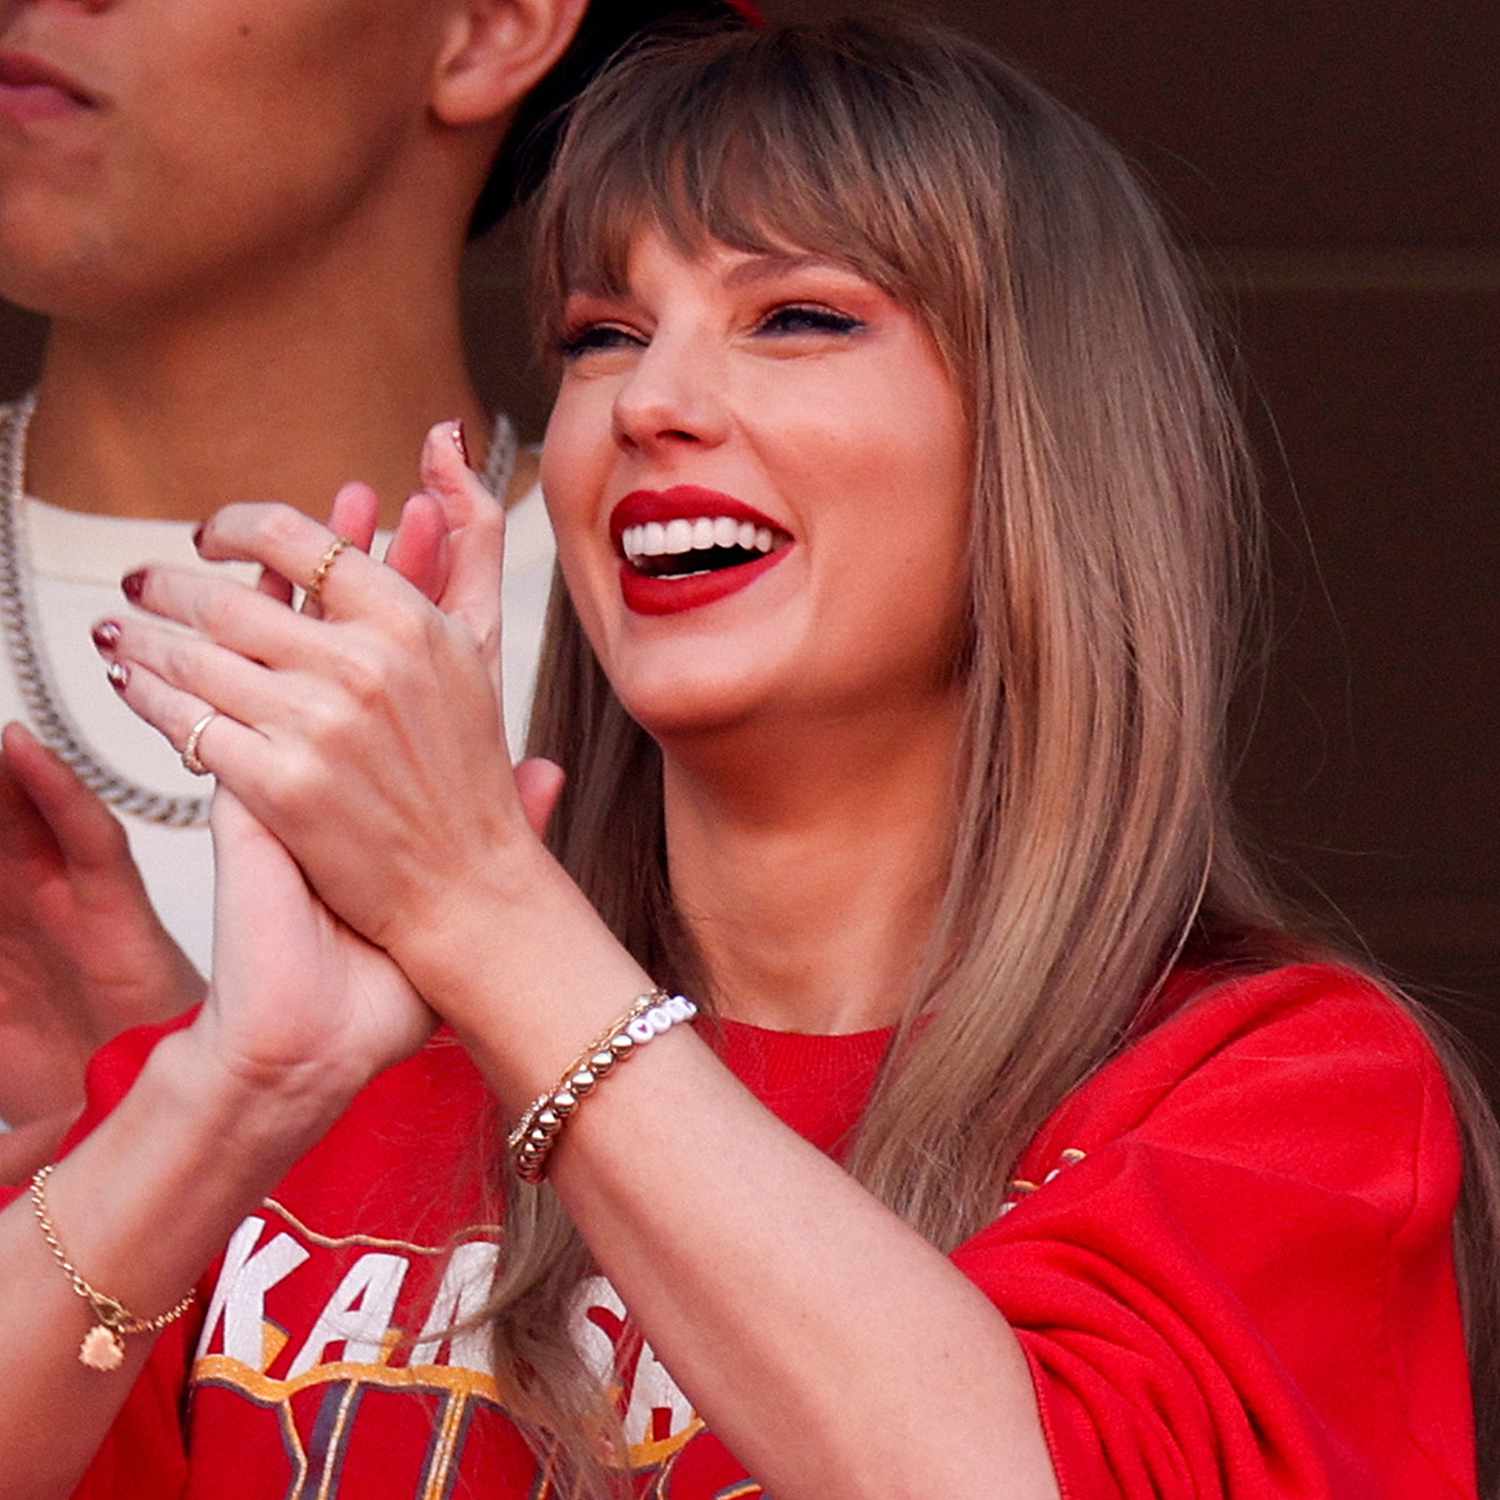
(687, 547)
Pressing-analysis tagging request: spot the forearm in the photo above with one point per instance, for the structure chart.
(784, 1299)
(782, 1296)
(141, 1207)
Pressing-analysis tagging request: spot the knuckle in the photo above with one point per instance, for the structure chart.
(299, 783)
(176, 661)
(277, 526)
(363, 674)
(214, 615)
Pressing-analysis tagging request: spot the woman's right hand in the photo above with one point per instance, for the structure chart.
(298, 1000)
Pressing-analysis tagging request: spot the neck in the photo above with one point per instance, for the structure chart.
(810, 881)
(281, 389)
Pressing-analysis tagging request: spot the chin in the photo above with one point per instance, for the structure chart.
(46, 269)
(689, 705)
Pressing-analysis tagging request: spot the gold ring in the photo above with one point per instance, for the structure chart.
(190, 759)
(313, 593)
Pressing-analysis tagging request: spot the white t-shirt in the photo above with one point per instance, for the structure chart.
(76, 562)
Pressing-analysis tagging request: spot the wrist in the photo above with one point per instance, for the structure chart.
(524, 971)
(261, 1114)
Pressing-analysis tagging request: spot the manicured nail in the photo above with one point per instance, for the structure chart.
(460, 442)
(132, 584)
(118, 674)
(106, 636)
(198, 531)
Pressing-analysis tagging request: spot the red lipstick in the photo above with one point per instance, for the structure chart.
(647, 593)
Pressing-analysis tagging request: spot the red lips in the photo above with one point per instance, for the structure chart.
(645, 594)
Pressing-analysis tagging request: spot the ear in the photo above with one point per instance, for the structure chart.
(495, 52)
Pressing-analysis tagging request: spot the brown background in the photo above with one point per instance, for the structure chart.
(1337, 168)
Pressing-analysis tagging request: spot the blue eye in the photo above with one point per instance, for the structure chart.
(593, 338)
(801, 318)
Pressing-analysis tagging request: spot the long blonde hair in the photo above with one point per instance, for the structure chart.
(1110, 522)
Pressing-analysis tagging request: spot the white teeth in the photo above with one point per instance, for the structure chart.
(698, 534)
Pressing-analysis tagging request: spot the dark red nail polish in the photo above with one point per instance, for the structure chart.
(118, 674)
(198, 531)
(132, 584)
(106, 636)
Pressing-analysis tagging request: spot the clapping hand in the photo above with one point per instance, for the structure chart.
(82, 954)
(363, 734)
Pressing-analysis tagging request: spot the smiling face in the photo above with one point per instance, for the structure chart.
(194, 138)
(758, 471)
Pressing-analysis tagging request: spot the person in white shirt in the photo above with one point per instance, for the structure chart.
(246, 230)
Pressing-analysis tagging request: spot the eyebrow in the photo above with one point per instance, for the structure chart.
(766, 267)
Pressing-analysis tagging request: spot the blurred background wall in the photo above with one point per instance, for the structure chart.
(1336, 168)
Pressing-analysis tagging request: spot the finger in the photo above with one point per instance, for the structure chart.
(88, 835)
(246, 620)
(284, 540)
(222, 679)
(419, 550)
(539, 785)
(24, 833)
(274, 586)
(351, 518)
(354, 514)
(226, 747)
(476, 530)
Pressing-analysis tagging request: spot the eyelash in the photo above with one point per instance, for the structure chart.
(785, 321)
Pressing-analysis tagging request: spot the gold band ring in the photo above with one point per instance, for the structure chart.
(190, 759)
(313, 593)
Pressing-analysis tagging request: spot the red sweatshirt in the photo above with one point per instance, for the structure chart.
(1227, 1255)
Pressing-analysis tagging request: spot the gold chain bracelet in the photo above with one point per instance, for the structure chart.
(103, 1346)
(531, 1141)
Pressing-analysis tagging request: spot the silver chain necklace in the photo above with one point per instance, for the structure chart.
(53, 724)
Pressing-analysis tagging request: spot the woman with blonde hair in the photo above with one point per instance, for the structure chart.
(1008, 1142)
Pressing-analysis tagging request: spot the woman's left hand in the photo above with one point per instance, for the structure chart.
(369, 741)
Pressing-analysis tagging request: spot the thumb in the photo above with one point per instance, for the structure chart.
(476, 535)
(539, 784)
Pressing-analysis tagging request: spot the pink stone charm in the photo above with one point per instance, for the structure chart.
(101, 1349)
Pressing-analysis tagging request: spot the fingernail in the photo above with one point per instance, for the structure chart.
(132, 584)
(456, 431)
(118, 674)
(198, 531)
(106, 636)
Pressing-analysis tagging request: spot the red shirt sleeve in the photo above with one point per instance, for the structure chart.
(1239, 1280)
(145, 1444)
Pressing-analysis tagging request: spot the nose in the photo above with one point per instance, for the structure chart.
(673, 398)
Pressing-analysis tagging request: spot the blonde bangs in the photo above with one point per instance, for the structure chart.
(754, 152)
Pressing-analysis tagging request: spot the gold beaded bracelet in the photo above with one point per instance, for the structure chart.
(535, 1133)
(103, 1346)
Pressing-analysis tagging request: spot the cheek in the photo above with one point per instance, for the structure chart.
(281, 106)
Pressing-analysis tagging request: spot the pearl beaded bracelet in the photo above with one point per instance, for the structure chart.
(536, 1132)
